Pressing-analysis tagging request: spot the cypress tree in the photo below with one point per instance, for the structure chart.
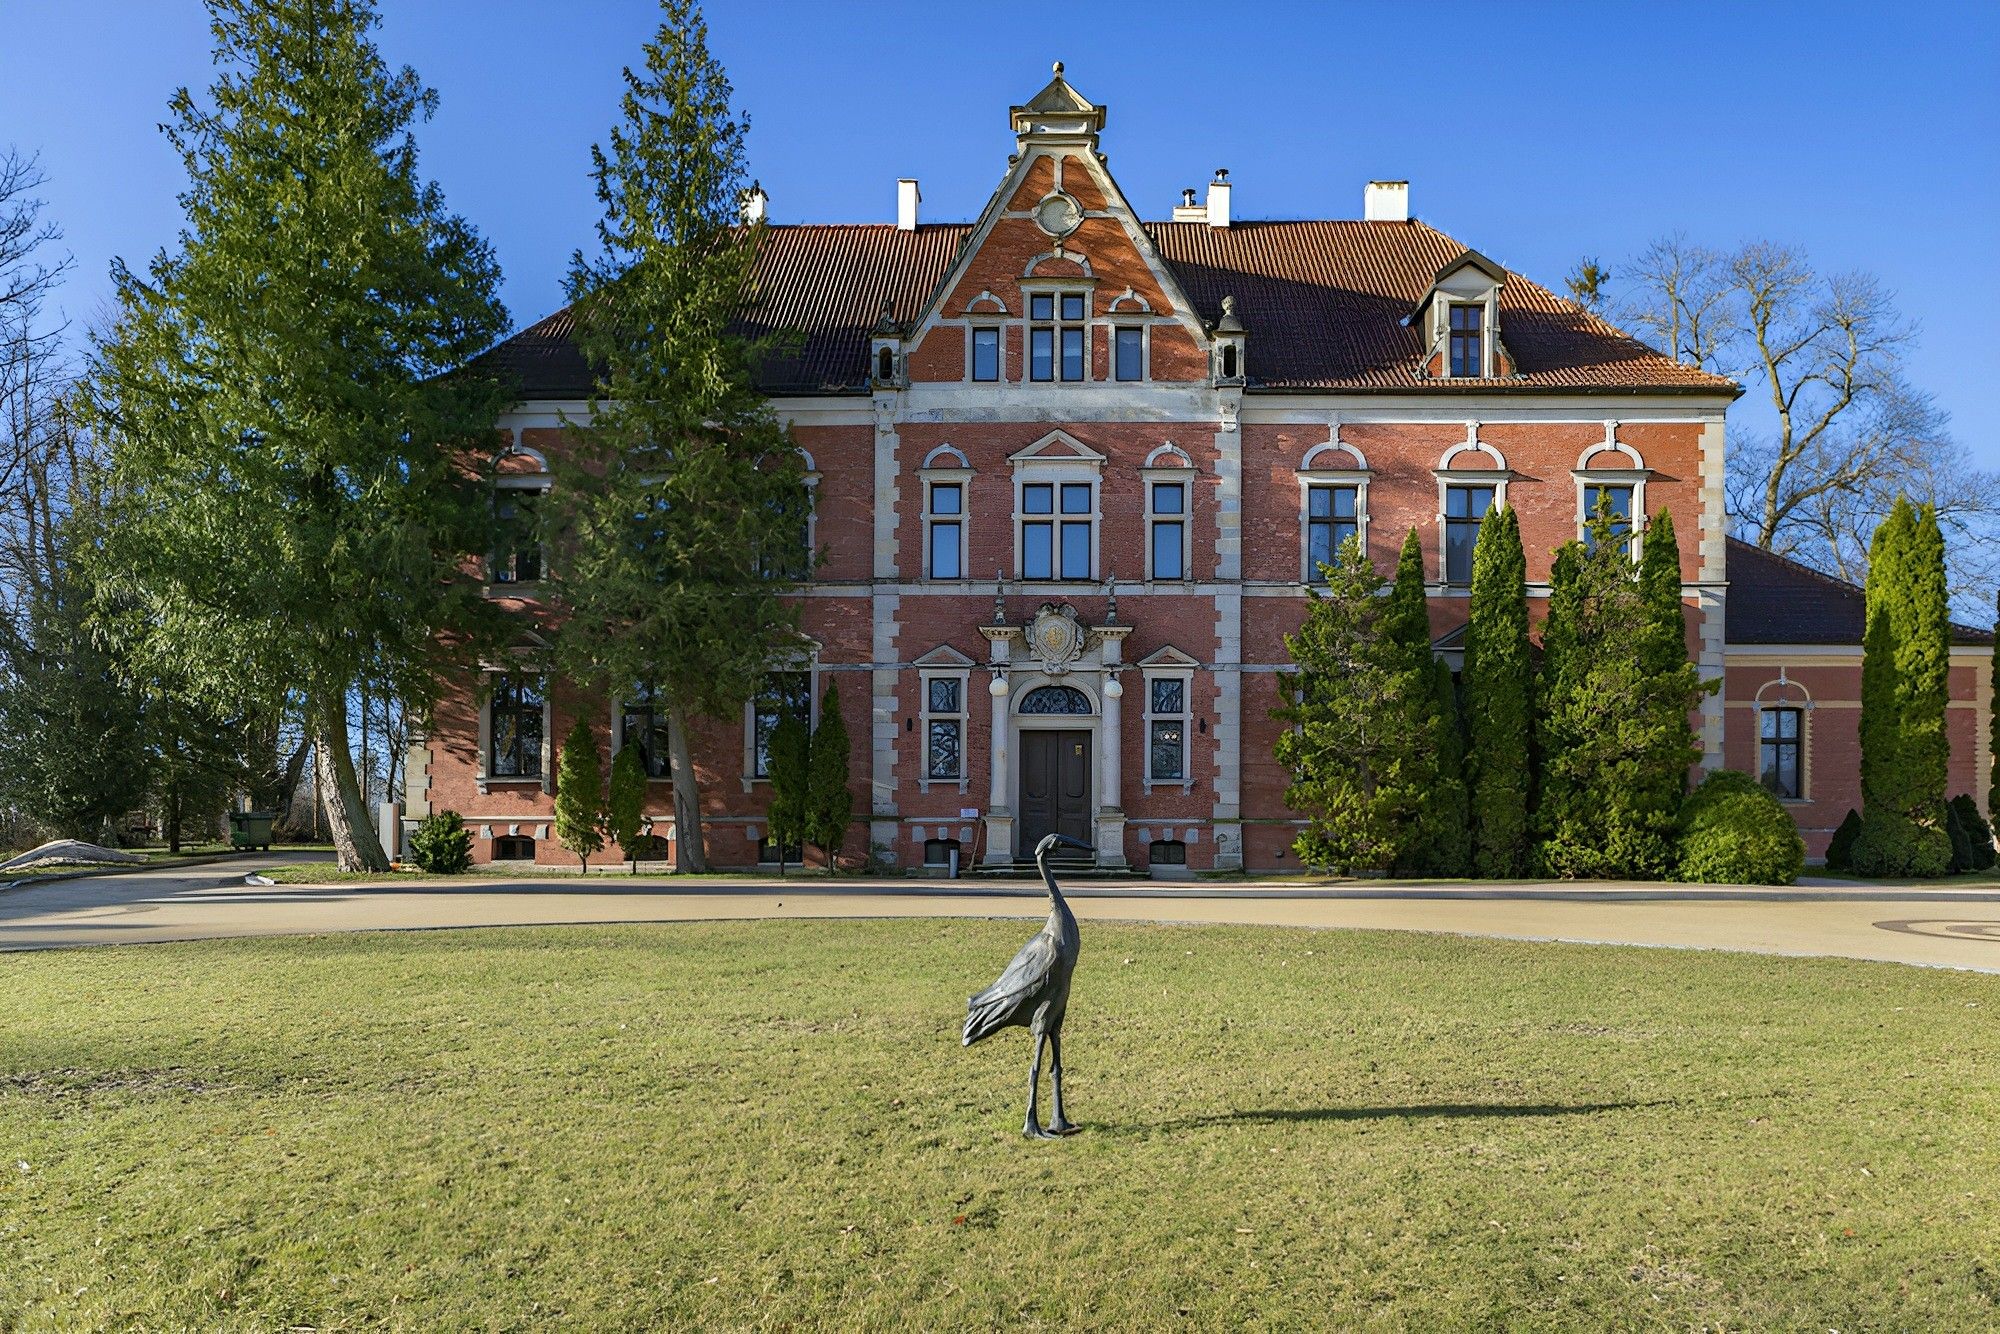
(1406, 773)
(1498, 677)
(789, 769)
(1341, 719)
(1993, 723)
(1923, 666)
(625, 809)
(829, 802)
(580, 793)
(1446, 823)
(1905, 658)
(1882, 788)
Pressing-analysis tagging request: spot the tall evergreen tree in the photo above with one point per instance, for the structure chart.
(789, 769)
(1923, 667)
(1882, 786)
(580, 793)
(1498, 681)
(1663, 658)
(1418, 801)
(625, 806)
(829, 800)
(293, 504)
(1343, 721)
(1993, 723)
(1447, 822)
(1615, 744)
(680, 516)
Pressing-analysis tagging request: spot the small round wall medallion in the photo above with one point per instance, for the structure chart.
(1058, 215)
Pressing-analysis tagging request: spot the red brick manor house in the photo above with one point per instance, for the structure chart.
(1072, 471)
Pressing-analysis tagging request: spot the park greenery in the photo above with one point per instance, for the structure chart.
(581, 814)
(679, 517)
(809, 771)
(604, 1127)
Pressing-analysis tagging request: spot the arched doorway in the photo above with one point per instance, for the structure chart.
(1056, 795)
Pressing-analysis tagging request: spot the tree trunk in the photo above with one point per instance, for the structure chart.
(288, 784)
(690, 854)
(355, 847)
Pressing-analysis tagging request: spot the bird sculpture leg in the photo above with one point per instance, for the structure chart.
(1058, 1124)
(1033, 1129)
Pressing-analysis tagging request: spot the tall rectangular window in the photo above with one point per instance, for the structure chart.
(945, 549)
(784, 695)
(1616, 502)
(1468, 353)
(1333, 514)
(642, 723)
(1166, 729)
(1167, 522)
(1058, 335)
(1129, 361)
(944, 727)
(514, 728)
(985, 354)
(1056, 524)
(1781, 752)
(517, 559)
(1464, 508)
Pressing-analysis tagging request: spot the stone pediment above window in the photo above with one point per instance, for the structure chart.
(1057, 447)
(1167, 656)
(944, 656)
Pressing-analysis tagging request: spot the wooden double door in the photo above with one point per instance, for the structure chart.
(1055, 786)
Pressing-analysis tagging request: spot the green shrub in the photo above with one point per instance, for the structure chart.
(1733, 831)
(441, 844)
(1840, 852)
(1977, 831)
(1892, 844)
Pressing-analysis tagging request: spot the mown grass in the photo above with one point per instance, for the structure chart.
(772, 1124)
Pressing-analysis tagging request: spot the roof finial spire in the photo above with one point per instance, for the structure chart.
(1059, 69)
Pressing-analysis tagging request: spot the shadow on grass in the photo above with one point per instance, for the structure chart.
(1448, 1110)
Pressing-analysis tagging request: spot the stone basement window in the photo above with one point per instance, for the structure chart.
(513, 848)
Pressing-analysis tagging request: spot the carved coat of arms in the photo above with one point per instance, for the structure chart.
(1055, 637)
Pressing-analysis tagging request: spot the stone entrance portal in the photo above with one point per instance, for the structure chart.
(1055, 788)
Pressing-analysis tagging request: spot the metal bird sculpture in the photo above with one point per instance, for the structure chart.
(1034, 992)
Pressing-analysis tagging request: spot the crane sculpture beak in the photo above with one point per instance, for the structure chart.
(1061, 841)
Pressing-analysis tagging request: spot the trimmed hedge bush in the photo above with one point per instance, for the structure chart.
(1977, 830)
(1892, 844)
(1733, 831)
(441, 844)
(1840, 852)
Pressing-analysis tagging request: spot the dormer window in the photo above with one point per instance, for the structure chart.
(1057, 335)
(1468, 357)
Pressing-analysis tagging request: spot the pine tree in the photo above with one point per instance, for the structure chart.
(1498, 678)
(293, 505)
(789, 769)
(1342, 720)
(829, 800)
(690, 597)
(580, 793)
(625, 809)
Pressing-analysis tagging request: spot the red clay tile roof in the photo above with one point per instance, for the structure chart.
(1323, 302)
(1776, 600)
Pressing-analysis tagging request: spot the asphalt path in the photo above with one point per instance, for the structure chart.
(1941, 928)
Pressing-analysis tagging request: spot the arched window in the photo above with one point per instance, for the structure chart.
(1056, 700)
(1229, 363)
(885, 364)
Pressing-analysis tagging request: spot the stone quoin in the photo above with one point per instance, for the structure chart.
(1071, 473)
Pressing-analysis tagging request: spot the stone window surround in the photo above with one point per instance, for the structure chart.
(1313, 471)
(1447, 477)
(925, 675)
(1055, 289)
(485, 780)
(805, 660)
(1804, 704)
(1185, 675)
(1634, 476)
(1058, 470)
(1169, 463)
(947, 464)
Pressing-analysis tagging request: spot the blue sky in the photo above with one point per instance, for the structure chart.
(1537, 133)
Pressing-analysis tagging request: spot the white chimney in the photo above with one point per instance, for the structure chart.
(1188, 210)
(1386, 201)
(907, 200)
(1218, 198)
(755, 203)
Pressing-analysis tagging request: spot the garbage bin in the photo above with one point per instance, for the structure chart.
(251, 829)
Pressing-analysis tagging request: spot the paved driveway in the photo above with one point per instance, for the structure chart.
(1948, 928)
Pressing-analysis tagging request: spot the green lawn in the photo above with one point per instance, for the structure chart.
(772, 1124)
